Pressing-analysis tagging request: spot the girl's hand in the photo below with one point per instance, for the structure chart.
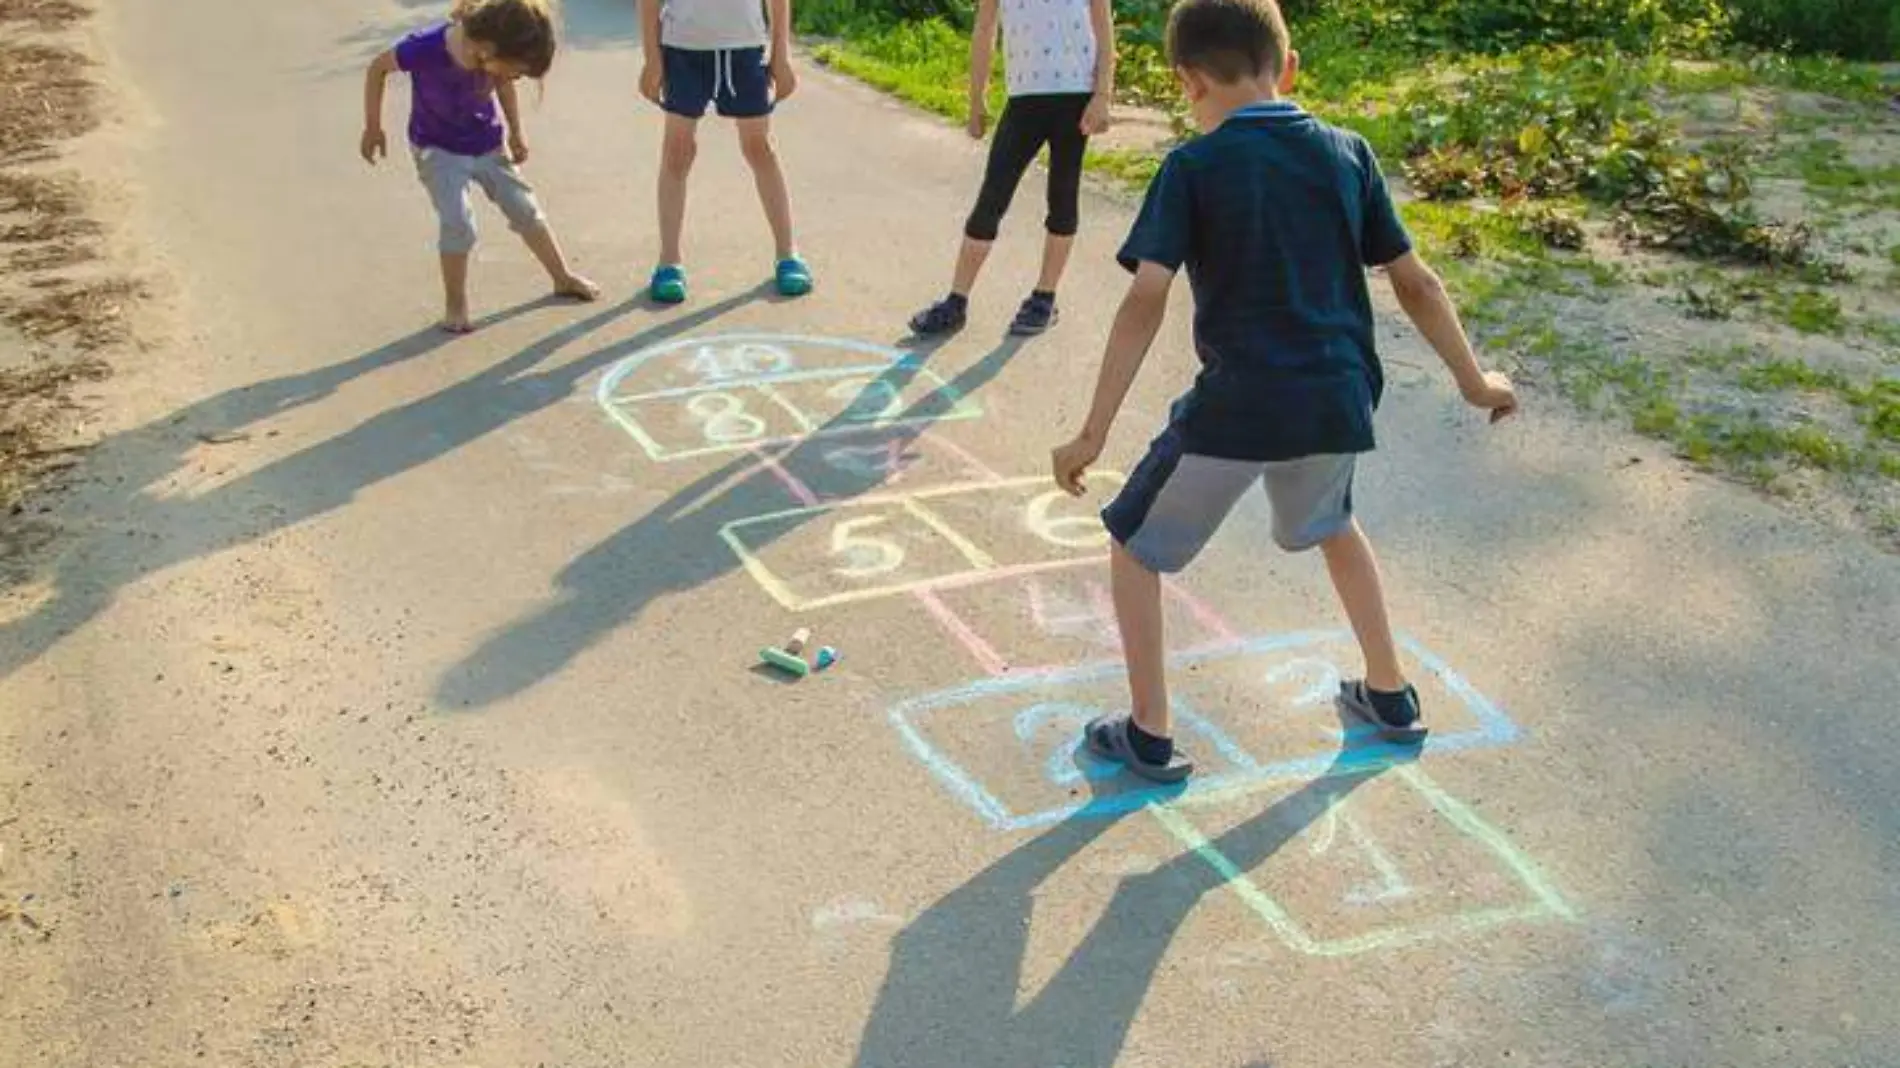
(652, 81)
(517, 149)
(374, 144)
(784, 79)
(1095, 119)
(979, 118)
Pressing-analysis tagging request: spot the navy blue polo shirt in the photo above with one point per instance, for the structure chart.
(1276, 216)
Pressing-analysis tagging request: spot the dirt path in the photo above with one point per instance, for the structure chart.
(391, 701)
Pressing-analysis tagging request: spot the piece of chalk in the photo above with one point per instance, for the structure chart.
(827, 657)
(785, 661)
(797, 643)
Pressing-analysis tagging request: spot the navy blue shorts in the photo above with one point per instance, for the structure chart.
(736, 81)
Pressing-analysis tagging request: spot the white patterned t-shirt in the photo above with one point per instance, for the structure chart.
(1048, 46)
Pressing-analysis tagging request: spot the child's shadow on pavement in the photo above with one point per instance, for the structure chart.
(949, 999)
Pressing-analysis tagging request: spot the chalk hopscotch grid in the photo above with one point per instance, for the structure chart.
(620, 406)
(982, 567)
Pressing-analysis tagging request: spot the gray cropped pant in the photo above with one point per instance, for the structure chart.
(447, 176)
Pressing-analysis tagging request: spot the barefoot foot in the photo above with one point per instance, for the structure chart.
(576, 287)
(455, 321)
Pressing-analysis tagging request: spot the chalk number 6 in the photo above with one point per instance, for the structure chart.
(1076, 532)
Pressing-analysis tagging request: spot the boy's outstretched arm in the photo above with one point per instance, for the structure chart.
(1136, 324)
(1423, 296)
(375, 143)
(982, 58)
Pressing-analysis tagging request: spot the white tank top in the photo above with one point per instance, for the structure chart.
(1048, 47)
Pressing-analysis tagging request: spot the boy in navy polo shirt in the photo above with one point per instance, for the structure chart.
(1277, 216)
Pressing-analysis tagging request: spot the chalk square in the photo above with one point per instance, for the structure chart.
(892, 460)
(970, 737)
(904, 396)
(1337, 869)
(1034, 622)
(1031, 522)
(741, 416)
(1280, 699)
(854, 550)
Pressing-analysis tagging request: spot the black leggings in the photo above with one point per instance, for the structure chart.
(1028, 123)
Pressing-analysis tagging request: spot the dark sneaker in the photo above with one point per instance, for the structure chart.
(1037, 314)
(1394, 715)
(944, 317)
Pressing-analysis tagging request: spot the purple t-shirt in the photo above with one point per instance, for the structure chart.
(451, 108)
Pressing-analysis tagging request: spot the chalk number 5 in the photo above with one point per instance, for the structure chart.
(865, 554)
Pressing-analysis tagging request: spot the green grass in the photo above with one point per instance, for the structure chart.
(1784, 374)
(1462, 231)
(1859, 82)
(1133, 168)
(923, 63)
(1823, 164)
(1811, 311)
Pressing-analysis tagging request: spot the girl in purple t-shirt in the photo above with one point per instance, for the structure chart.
(458, 70)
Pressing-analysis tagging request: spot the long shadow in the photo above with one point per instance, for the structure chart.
(316, 480)
(676, 547)
(949, 999)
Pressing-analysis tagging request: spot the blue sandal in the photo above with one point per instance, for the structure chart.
(668, 285)
(794, 278)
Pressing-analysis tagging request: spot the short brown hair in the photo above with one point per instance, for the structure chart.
(521, 31)
(1228, 40)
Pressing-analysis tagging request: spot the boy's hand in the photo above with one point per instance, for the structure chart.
(375, 144)
(517, 149)
(1071, 461)
(652, 81)
(1494, 394)
(979, 118)
(784, 78)
(1095, 119)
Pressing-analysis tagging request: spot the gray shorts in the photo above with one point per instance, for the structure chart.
(446, 175)
(1175, 501)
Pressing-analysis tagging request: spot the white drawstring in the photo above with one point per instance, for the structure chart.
(726, 71)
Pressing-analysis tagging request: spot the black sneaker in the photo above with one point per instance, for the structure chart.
(1395, 715)
(1037, 314)
(944, 317)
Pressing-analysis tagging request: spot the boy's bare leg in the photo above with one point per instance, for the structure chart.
(1355, 573)
(540, 240)
(1137, 593)
(755, 143)
(1055, 259)
(970, 259)
(455, 292)
(678, 148)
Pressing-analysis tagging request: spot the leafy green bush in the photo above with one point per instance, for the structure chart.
(1553, 122)
(841, 17)
(1502, 25)
(1854, 29)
